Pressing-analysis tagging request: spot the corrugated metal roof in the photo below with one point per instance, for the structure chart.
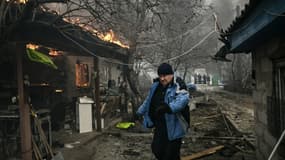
(253, 27)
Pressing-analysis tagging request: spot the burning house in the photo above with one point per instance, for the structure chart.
(72, 59)
(259, 30)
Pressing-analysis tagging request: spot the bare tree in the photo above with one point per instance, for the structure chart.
(172, 35)
(135, 22)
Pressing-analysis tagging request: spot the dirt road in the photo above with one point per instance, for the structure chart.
(208, 129)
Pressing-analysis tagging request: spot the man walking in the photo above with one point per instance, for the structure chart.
(162, 110)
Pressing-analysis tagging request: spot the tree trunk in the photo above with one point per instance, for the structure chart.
(185, 72)
(132, 79)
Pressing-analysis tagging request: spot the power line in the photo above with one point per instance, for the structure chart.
(130, 64)
(166, 41)
(193, 47)
(172, 39)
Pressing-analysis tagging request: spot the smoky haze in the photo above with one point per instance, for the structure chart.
(226, 10)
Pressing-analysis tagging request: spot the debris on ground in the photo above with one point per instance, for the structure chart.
(218, 121)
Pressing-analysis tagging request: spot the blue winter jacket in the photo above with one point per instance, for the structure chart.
(176, 100)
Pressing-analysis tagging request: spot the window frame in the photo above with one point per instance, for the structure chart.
(79, 75)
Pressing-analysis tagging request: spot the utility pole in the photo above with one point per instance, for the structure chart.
(25, 122)
(97, 94)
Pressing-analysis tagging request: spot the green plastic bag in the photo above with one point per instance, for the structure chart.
(125, 125)
(40, 57)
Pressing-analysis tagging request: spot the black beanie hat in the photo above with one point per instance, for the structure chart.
(164, 69)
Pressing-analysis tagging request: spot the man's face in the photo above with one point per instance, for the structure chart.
(165, 79)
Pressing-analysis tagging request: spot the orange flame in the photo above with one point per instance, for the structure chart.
(108, 37)
(23, 1)
(32, 46)
(53, 52)
(18, 1)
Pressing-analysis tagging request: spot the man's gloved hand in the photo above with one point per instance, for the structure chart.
(162, 108)
(181, 83)
(136, 117)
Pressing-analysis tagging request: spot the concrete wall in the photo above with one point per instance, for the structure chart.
(263, 66)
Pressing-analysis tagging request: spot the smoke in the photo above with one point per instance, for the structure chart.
(225, 10)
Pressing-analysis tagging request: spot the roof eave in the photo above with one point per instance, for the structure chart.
(74, 40)
(241, 39)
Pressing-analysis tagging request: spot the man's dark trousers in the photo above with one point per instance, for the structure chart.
(162, 148)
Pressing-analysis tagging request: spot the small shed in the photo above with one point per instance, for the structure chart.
(29, 23)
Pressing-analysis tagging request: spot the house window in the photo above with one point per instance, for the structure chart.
(81, 75)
